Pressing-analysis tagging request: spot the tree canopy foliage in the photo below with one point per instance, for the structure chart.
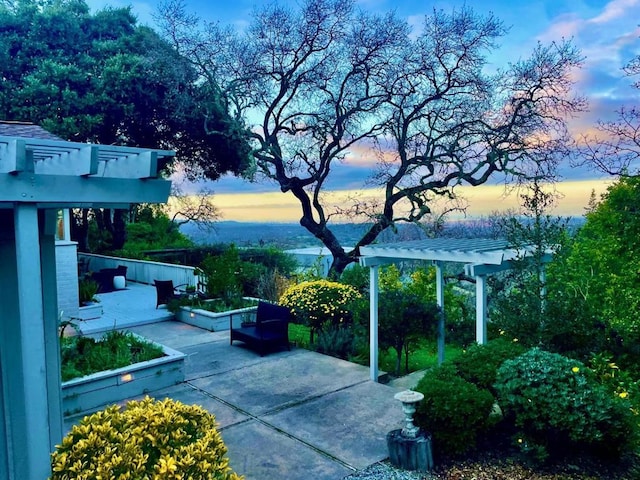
(603, 265)
(103, 78)
(327, 80)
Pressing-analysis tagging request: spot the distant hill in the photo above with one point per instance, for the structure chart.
(292, 235)
(282, 235)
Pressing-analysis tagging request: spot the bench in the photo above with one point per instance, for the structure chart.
(270, 329)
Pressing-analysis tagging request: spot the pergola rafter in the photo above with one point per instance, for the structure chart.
(57, 157)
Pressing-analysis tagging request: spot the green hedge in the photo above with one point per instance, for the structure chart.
(453, 411)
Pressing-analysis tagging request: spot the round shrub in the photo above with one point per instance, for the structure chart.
(453, 411)
(560, 407)
(147, 439)
(479, 364)
(316, 302)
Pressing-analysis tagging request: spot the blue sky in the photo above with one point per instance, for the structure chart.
(606, 32)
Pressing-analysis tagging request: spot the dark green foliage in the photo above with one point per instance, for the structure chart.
(560, 408)
(271, 257)
(459, 309)
(600, 271)
(521, 306)
(356, 276)
(404, 318)
(103, 78)
(337, 341)
(84, 355)
(154, 230)
(454, 411)
(87, 290)
(228, 276)
(480, 363)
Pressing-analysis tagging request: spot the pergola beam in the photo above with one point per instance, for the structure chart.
(80, 161)
(12, 155)
(34, 188)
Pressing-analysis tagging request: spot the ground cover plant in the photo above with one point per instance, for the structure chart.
(145, 439)
(81, 355)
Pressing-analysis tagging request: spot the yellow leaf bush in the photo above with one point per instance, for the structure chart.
(147, 440)
(319, 300)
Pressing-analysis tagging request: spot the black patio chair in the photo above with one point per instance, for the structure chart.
(166, 292)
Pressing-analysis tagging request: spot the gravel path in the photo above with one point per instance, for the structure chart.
(386, 471)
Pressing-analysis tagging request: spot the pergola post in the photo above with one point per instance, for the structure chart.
(373, 323)
(440, 302)
(481, 309)
(24, 360)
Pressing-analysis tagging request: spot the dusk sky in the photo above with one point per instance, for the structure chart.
(606, 32)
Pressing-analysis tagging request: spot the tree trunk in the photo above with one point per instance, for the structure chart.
(80, 229)
(119, 232)
(398, 360)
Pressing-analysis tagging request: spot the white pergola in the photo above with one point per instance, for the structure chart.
(38, 177)
(481, 257)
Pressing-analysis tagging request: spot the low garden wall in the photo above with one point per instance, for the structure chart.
(215, 321)
(143, 271)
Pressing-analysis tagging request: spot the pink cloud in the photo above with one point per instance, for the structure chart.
(614, 10)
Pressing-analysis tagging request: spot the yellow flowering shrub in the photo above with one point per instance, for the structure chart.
(316, 302)
(148, 439)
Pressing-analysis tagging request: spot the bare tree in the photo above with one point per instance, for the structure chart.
(615, 148)
(197, 207)
(328, 79)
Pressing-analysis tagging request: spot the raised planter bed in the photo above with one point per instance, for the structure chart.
(89, 312)
(213, 321)
(111, 386)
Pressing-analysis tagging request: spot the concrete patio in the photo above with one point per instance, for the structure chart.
(291, 414)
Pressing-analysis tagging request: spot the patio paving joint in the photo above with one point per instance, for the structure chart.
(257, 418)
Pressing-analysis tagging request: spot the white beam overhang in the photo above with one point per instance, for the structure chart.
(76, 190)
(473, 270)
(480, 251)
(377, 261)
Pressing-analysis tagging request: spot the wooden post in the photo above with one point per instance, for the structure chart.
(481, 309)
(373, 323)
(440, 302)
